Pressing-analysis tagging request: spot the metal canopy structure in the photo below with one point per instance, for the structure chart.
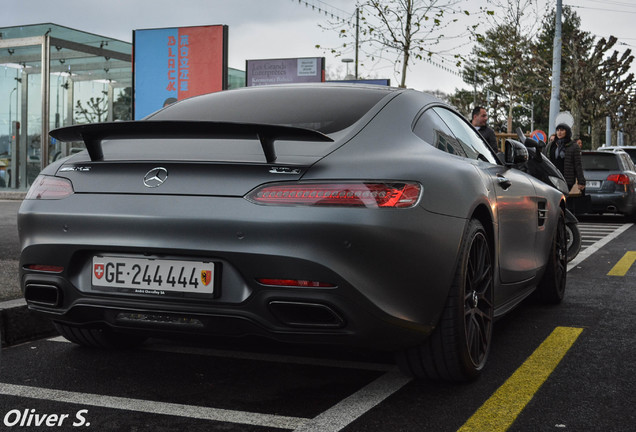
(85, 55)
(49, 49)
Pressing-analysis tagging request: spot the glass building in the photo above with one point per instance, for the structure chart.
(52, 76)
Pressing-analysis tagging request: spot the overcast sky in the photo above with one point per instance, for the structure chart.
(279, 28)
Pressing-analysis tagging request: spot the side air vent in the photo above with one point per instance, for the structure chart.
(543, 213)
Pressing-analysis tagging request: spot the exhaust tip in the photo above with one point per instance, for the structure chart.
(42, 294)
(306, 315)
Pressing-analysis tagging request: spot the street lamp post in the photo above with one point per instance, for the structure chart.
(347, 61)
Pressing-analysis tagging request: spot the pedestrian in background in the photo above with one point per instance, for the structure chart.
(479, 120)
(565, 154)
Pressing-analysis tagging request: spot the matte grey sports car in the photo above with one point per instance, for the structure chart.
(336, 214)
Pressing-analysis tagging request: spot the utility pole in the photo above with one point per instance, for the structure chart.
(619, 133)
(357, 38)
(608, 121)
(556, 71)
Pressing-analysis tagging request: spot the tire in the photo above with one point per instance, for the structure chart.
(458, 348)
(98, 338)
(551, 288)
(573, 236)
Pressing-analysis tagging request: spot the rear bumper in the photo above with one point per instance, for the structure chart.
(390, 269)
(615, 202)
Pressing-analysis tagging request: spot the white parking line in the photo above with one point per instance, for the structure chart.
(348, 410)
(583, 255)
(138, 405)
(334, 419)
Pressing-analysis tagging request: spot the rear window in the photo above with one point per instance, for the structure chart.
(631, 153)
(325, 109)
(600, 161)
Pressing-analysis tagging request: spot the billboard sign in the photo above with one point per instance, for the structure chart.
(284, 71)
(171, 64)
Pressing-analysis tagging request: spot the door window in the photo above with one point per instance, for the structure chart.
(432, 129)
(469, 139)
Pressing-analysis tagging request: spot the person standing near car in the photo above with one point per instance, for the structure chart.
(565, 154)
(479, 120)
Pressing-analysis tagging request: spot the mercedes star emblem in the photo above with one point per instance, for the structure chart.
(155, 177)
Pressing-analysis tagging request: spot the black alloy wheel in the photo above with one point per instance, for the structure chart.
(478, 301)
(551, 288)
(573, 240)
(458, 348)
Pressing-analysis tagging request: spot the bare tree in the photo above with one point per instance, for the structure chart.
(405, 31)
(95, 110)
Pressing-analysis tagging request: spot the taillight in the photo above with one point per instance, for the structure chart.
(363, 194)
(49, 187)
(620, 179)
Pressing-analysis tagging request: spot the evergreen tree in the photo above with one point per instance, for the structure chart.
(499, 67)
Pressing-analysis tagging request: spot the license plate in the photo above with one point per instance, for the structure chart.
(593, 184)
(153, 276)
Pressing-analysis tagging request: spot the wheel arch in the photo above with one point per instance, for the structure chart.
(482, 214)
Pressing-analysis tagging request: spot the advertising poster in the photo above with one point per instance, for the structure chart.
(171, 64)
(284, 71)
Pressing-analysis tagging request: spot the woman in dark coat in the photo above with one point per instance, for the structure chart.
(566, 155)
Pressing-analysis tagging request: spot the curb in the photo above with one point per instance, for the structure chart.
(12, 195)
(18, 324)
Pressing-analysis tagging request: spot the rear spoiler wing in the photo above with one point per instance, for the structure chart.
(94, 134)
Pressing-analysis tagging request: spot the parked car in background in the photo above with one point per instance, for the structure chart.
(333, 214)
(610, 177)
(630, 150)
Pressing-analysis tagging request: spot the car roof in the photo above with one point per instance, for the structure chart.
(616, 148)
(607, 150)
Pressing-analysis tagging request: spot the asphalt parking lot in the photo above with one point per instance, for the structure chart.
(568, 367)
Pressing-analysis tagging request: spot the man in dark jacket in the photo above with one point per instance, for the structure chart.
(565, 154)
(479, 120)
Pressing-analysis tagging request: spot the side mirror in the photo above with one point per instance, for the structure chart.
(530, 143)
(514, 152)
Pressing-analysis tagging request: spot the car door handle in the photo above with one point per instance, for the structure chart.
(503, 181)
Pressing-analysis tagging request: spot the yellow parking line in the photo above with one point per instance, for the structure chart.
(622, 266)
(499, 412)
